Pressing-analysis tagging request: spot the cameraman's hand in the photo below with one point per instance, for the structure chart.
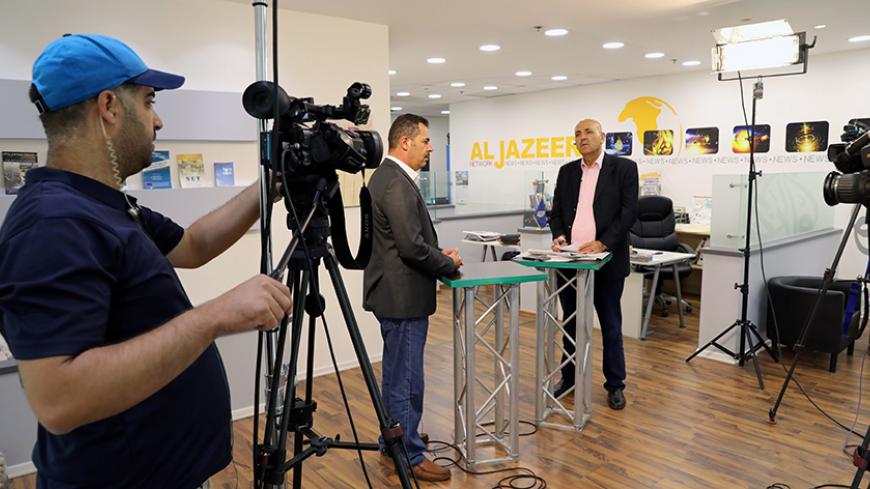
(258, 303)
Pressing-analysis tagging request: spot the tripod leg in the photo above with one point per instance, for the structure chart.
(275, 436)
(307, 295)
(757, 370)
(753, 329)
(365, 365)
(858, 458)
(290, 394)
(713, 342)
(829, 277)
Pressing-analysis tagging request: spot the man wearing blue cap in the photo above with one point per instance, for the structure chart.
(120, 369)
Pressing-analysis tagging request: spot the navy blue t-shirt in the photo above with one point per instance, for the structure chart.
(77, 272)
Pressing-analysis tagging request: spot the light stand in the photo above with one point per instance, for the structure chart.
(748, 330)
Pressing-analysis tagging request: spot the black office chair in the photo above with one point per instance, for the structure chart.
(793, 298)
(655, 229)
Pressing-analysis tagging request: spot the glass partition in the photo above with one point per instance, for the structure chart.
(498, 190)
(786, 205)
(434, 186)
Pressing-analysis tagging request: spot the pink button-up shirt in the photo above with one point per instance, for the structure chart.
(583, 230)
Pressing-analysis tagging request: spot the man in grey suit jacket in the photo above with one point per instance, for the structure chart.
(400, 279)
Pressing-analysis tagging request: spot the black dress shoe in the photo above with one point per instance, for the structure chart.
(616, 399)
(561, 388)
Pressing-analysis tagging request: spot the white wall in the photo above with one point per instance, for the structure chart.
(212, 44)
(830, 91)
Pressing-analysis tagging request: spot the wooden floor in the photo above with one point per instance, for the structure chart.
(697, 425)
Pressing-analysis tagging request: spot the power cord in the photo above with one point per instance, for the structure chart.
(779, 349)
(846, 445)
(767, 290)
(527, 479)
(527, 475)
(782, 485)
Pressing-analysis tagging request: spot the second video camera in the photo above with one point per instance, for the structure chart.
(852, 158)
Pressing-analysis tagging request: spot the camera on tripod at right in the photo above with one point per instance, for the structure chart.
(851, 184)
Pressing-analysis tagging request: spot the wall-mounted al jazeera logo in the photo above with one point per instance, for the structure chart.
(657, 123)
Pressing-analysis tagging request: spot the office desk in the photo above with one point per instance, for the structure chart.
(661, 259)
(548, 363)
(487, 420)
(696, 236)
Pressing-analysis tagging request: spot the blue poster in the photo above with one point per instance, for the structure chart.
(224, 174)
(158, 178)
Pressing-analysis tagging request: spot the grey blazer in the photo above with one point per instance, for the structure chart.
(399, 281)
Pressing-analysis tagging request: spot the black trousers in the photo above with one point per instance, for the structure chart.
(607, 296)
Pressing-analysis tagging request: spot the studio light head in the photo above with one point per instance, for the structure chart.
(310, 144)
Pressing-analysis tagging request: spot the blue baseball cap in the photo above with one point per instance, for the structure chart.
(77, 67)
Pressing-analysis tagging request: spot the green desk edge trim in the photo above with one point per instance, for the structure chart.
(567, 265)
(524, 277)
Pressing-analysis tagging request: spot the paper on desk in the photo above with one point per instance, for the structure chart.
(566, 255)
(574, 249)
(571, 247)
(482, 235)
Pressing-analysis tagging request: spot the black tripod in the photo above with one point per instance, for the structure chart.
(748, 330)
(826, 283)
(861, 459)
(303, 267)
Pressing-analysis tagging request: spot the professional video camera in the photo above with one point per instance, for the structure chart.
(323, 147)
(309, 152)
(852, 158)
(303, 151)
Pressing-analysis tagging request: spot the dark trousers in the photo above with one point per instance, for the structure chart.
(607, 296)
(402, 378)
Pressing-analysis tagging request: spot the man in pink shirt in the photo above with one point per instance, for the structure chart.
(595, 205)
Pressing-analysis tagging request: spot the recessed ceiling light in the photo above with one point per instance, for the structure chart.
(457, 84)
(654, 55)
(613, 45)
(820, 26)
(862, 38)
(489, 48)
(402, 94)
(445, 112)
(435, 61)
(395, 109)
(555, 32)
(392, 72)
(558, 77)
(434, 95)
(490, 88)
(691, 62)
(523, 73)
